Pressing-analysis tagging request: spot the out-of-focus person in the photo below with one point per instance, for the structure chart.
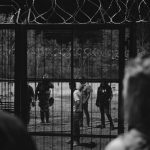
(136, 93)
(13, 134)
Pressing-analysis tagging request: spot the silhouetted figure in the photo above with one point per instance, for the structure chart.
(136, 93)
(43, 92)
(77, 114)
(104, 96)
(86, 93)
(30, 98)
(13, 134)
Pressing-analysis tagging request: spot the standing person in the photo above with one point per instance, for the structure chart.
(30, 98)
(104, 96)
(43, 92)
(77, 114)
(136, 94)
(86, 93)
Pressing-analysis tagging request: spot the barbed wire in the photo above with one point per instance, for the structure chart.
(76, 11)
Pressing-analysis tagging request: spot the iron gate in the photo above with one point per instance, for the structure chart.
(67, 53)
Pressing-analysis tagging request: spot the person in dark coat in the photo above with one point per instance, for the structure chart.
(30, 100)
(104, 96)
(43, 93)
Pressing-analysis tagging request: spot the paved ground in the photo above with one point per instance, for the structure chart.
(60, 120)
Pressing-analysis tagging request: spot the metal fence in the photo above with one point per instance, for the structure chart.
(67, 53)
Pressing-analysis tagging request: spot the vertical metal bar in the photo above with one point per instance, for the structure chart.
(53, 76)
(109, 37)
(8, 68)
(20, 71)
(121, 73)
(72, 80)
(35, 78)
(17, 101)
(61, 69)
(44, 62)
(82, 59)
(2, 47)
(4, 52)
(132, 42)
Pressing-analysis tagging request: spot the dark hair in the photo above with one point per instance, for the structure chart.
(45, 76)
(136, 93)
(13, 134)
(82, 80)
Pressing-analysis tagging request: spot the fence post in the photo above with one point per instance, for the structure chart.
(20, 71)
(132, 43)
(121, 74)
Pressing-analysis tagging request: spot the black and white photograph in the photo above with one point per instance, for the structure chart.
(74, 75)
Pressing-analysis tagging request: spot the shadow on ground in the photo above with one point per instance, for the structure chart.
(88, 145)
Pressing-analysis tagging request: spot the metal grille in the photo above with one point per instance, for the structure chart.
(66, 54)
(94, 55)
(7, 57)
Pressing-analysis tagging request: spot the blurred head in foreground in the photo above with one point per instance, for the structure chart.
(136, 93)
(13, 134)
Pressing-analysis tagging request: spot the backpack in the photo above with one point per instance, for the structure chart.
(51, 101)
